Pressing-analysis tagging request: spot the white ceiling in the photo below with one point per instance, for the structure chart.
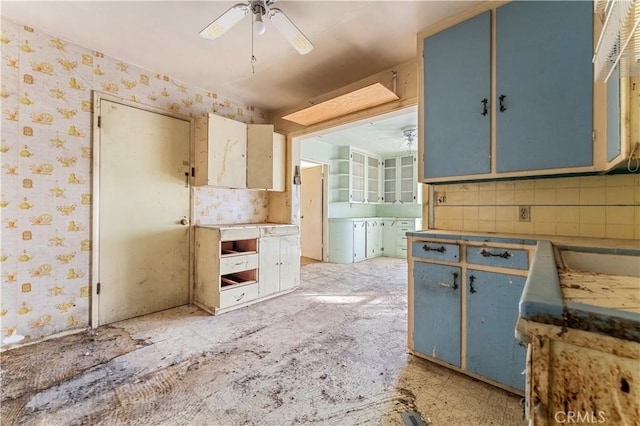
(353, 40)
(382, 135)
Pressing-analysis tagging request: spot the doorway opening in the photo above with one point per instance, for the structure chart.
(312, 211)
(373, 196)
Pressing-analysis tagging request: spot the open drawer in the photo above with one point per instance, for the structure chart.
(238, 247)
(238, 278)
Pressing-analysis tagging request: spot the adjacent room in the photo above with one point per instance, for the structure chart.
(316, 212)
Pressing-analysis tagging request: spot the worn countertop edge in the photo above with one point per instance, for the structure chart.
(468, 237)
(623, 246)
(542, 295)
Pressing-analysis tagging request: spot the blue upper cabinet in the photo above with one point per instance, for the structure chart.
(544, 85)
(457, 89)
(529, 63)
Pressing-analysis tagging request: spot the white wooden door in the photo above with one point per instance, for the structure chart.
(143, 248)
(227, 152)
(269, 266)
(359, 240)
(289, 262)
(311, 212)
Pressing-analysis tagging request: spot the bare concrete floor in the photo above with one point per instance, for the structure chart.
(331, 353)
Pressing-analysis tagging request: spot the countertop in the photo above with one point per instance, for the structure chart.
(265, 229)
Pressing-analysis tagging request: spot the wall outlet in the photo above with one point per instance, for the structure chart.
(524, 214)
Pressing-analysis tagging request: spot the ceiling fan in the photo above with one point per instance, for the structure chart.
(409, 134)
(259, 8)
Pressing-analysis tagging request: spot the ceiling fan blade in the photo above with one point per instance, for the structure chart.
(225, 21)
(290, 31)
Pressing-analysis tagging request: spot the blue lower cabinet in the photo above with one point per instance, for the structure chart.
(436, 298)
(492, 312)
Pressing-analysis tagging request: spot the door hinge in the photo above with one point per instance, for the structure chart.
(99, 121)
(593, 136)
(98, 288)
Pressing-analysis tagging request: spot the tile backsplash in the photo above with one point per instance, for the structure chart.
(46, 197)
(591, 206)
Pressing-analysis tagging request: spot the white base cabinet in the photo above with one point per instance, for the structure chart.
(239, 265)
(356, 239)
(279, 264)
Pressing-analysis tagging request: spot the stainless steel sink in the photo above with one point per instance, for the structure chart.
(600, 263)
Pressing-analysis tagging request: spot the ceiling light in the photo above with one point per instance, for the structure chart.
(258, 25)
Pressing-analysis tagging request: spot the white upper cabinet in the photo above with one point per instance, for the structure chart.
(221, 151)
(266, 153)
(365, 177)
(232, 154)
(400, 180)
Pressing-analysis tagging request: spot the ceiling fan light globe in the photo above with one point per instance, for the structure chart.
(258, 26)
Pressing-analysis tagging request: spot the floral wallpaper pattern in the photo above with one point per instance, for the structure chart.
(46, 94)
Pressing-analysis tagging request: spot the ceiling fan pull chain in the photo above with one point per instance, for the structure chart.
(253, 58)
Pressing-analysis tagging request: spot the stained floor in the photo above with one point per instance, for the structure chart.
(331, 353)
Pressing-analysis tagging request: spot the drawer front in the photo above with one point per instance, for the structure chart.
(231, 264)
(237, 295)
(239, 233)
(436, 251)
(410, 224)
(275, 230)
(500, 257)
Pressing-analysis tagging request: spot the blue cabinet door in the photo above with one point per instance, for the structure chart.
(436, 311)
(457, 79)
(492, 312)
(544, 77)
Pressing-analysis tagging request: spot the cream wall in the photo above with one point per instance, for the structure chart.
(47, 87)
(593, 206)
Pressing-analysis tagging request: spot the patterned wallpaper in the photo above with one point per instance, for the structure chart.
(46, 197)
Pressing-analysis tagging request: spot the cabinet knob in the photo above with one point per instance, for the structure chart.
(502, 107)
(440, 249)
(486, 253)
(471, 280)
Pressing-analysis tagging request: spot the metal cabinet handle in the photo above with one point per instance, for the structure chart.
(502, 107)
(239, 298)
(471, 280)
(455, 280)
(485, 111)
(504, 255)
(440, 249)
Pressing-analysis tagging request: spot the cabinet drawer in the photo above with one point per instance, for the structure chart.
(436, 251)
(239, 233)
(406, 224)
(236, 295)
(231, 264)
(500, 257)
(275, 230)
